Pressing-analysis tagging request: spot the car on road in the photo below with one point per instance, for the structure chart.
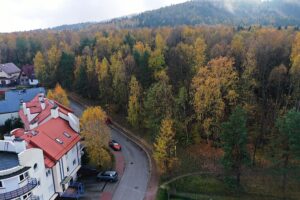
(108, 176)
(108, 121)
(115, 145)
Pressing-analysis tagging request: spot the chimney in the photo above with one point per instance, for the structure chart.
(41, 97)
(24, 109)
(43, 105)
(54, 111)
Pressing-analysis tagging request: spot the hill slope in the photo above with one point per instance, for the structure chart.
(234, 12)
(210, 12)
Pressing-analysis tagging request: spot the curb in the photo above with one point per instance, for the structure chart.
(136, 141)
(133, 138)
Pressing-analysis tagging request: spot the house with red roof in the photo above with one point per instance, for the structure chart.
(51, 132)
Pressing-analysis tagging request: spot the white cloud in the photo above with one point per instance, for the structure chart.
(20, 15)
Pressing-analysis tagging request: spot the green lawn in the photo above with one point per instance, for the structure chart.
(261, 187)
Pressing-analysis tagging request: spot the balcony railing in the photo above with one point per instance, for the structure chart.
(31, 184)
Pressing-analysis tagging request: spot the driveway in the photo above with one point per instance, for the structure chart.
(135, 177)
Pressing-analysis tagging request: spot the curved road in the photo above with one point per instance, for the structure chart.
(133, 183)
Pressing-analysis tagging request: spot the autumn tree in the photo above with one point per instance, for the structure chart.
(104, 79)
(234, 139)
(40, 67)
(215, 93)
(119, 80)
(53, 59)
(59, 94)
(295, 72)
(200, 54)
(134, 103)
(165, 147)
(96, 136)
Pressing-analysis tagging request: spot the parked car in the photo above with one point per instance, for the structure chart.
(115, 145)
(87, 171)
(108, 121)
(111, 176)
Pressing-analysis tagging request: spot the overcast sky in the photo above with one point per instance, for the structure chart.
(20, 15)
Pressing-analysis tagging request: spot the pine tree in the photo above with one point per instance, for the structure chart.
(288, 142)
(234, 138)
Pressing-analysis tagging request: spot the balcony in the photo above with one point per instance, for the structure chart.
(31, 184)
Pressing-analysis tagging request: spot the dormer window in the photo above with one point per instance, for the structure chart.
(59, 141)
(67, 135)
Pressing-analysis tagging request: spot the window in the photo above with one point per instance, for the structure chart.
(26, 174)
(21, 177)
(67, 135)
(1, 184)
(59, 141)
(35, 167)
(68, 169)
(25, 196)
(48, 172)
(74, 162)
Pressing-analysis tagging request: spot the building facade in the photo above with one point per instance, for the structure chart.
(9, 74)
(44, 157)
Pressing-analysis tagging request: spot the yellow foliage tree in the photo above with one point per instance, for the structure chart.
(59, 95)
(96, 136)
(40, 66)
(165, 147)
(214, 88)
(134, 104)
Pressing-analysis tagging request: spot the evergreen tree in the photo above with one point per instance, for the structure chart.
(65, 70)
(289, 142)
(158, 103)
(234, 138)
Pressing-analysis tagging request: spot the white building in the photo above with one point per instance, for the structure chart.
(41, 161)
(9, 73)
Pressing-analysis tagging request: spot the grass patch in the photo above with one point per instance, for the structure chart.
(204, 184)
(255, 187)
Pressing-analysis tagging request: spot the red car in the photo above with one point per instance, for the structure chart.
(114, 145)
(108, 121)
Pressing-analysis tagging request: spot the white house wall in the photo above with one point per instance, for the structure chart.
(32, 157)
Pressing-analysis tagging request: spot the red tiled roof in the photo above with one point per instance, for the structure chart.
(45, 139)
(46, 134)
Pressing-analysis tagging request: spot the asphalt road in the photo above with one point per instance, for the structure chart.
(133, 183)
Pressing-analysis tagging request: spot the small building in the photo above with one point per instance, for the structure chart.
(9, 74)
(27, 76)
(41, 161)
(13, 99)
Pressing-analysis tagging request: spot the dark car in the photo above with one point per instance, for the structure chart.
(111, 176)
(115, 145)
(87, 171)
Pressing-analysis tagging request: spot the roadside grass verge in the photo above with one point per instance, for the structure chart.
(211, 187)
